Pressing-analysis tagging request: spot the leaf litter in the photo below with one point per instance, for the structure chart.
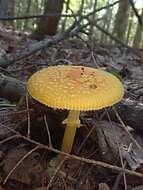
(32, 172)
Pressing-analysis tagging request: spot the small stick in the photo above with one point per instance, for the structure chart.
(19, 162)
(56, 171)
(48, 132)
(28, 117)
(123, 166)
(115, 186)
(126, 130)
(89, 161)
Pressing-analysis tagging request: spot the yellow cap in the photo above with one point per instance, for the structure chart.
(75, 88)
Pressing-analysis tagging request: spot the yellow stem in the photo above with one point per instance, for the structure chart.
(72, 123)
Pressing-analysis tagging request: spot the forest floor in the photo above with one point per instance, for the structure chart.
(108, 157)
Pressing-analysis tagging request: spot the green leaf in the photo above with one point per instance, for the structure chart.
(114, 72)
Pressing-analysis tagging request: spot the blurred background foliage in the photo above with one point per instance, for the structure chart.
(119, 20)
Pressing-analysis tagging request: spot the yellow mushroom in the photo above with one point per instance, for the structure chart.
(75, 88)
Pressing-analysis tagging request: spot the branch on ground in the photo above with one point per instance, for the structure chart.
(33, 48)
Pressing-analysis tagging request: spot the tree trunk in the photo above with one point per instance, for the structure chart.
(66, 18)
(130, 24)
(106, 23)
(7, 10)
(138, 39)
(29, 2)
(106, 39)
(49, 25)
(18, 23)
(121, 20)
(91, 29)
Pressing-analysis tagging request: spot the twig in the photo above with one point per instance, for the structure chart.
(38, 16)
(123, 166)
(110, 35)
(119, 149)
(136, 12)
(19, 162)
(83, 178)
(9, 128)
(31, 49)
(126, 130)
(115, 186)
(28, 116)
(90, 132)
(89, 161)
(9, 138)
(56, 171)
(7, 105)
(94, 60)
(53, 14)
(48, 132)
(105, 7)
(85, 139)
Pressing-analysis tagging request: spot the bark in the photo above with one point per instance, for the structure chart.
(121, 20)
(33, 48)
(49, 25)
(29, 50)
(7, 10)
(11, 88)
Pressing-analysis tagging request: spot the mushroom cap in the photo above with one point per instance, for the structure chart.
(75, 88)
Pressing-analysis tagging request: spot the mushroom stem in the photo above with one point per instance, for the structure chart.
(72, 122)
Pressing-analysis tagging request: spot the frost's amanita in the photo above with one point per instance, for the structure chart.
(75, 88)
